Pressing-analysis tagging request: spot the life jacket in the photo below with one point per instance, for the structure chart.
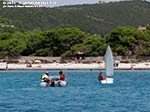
(62, 77)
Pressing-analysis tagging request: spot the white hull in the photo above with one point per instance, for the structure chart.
(63, 83)
(43, 84)
(107, 81)
(58, 83)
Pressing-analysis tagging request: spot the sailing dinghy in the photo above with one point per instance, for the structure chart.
(109, 66)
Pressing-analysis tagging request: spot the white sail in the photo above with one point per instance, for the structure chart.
(109, 62)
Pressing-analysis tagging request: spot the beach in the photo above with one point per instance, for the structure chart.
(74, 66)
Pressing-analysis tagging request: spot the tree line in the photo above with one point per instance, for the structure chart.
(67, 41)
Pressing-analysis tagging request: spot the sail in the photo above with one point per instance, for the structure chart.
(109, 62)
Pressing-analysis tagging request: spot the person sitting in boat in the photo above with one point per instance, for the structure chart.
(62, 76)
(100, 76)
(45, 77)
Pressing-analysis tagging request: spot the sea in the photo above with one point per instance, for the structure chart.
(20, 91)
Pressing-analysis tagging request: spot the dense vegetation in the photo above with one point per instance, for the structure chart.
(93, 19)
(68, 41)
(40, 31)
(8, 25)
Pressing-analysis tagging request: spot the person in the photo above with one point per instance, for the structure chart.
(100, 76)
(62, 76)
(45, 77)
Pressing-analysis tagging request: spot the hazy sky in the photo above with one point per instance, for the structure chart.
(52, 3)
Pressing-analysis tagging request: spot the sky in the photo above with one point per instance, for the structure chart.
(53, 3)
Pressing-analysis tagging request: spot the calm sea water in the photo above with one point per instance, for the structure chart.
(20, 92)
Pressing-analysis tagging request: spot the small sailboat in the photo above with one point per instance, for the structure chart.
(109, 66)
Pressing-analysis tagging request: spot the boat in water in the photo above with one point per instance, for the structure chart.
(109, 67)
(54, 82)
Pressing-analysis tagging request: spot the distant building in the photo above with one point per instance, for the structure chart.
(3, 25)
(142, 27)
(79, 56)
(101, 1)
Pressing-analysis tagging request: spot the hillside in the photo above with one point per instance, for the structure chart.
(96, 18)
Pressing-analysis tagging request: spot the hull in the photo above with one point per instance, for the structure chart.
(58, 83)
(63, 83)
(107, 81)
(43, 84)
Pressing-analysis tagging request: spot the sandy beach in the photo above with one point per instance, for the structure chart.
(74, 66)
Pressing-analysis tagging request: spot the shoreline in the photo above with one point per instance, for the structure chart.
(75, 66)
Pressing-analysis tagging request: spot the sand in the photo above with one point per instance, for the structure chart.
(74, 66)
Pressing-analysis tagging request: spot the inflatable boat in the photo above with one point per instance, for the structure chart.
(55, 82)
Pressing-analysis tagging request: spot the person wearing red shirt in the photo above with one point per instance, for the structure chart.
(100, 76)
(62, 76)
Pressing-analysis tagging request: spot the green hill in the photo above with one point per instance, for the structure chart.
(95, 18)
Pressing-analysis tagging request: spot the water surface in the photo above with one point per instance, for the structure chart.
(20, 92)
